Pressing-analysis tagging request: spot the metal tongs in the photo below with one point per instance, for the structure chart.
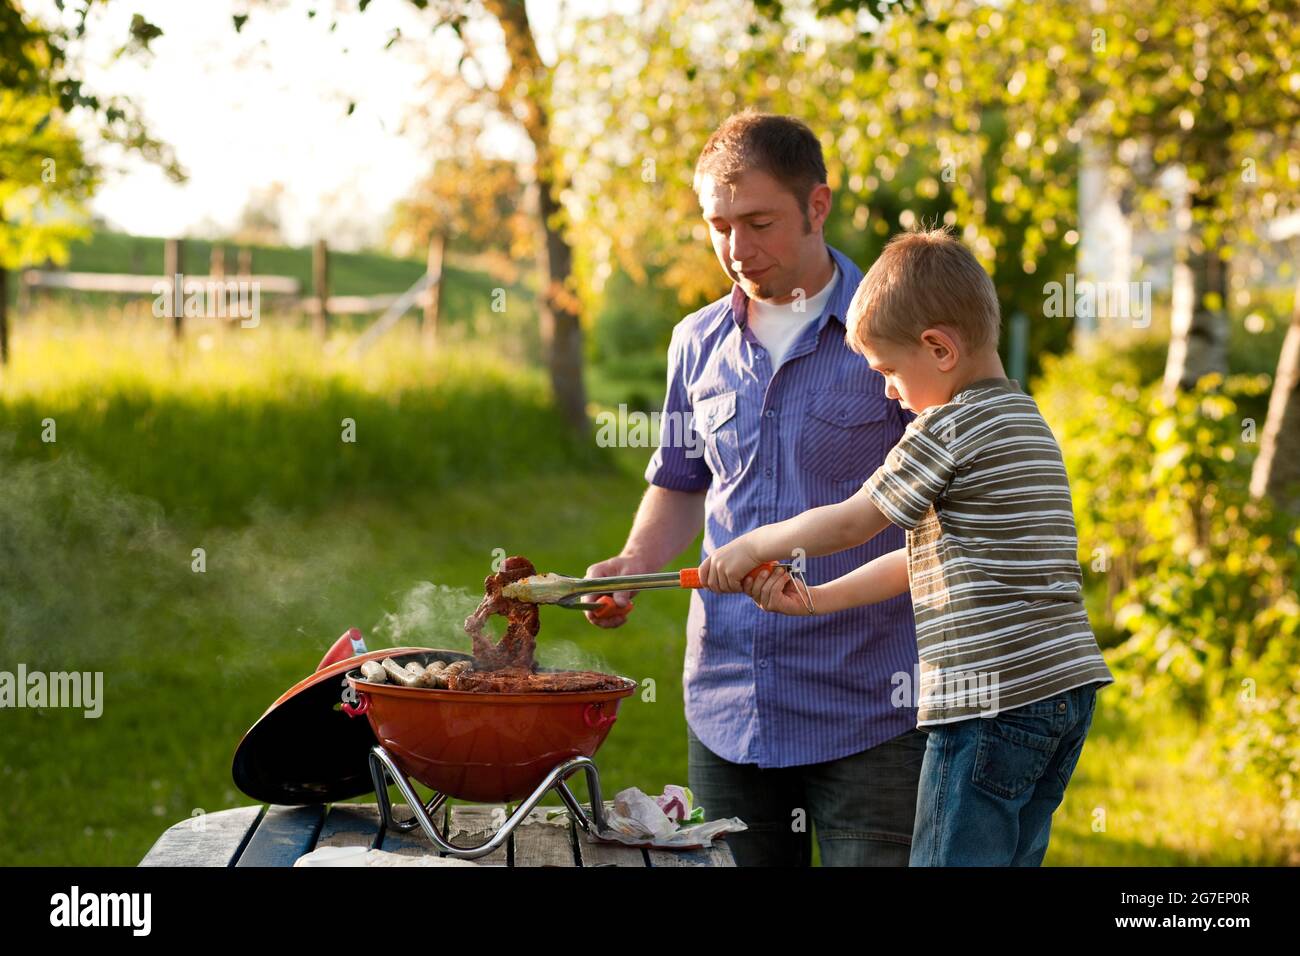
(569, 592)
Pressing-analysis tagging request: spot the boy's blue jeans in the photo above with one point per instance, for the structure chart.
(989, 785)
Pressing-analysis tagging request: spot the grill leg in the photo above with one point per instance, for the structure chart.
(382, 768)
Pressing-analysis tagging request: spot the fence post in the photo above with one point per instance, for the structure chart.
(433, 294)
(174, 268)
(217, 263)
(245, 262)
(321, 286)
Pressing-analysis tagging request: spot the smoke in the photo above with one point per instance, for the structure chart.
(567, 656)
(428, 615)
(92, 574)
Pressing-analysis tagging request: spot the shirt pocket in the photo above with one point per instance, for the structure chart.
(843, 435)
(715, 421)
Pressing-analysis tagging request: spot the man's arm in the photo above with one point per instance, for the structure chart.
(666, 523)
(818, 531)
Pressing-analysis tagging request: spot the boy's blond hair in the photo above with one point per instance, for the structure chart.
(924, 279)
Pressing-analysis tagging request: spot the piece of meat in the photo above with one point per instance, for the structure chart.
(510, 665)
(513, 680)
(517, 647)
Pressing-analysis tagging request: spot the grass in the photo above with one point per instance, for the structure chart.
(160, 453)
(189, 668)
(236, 419)
(1146, 792)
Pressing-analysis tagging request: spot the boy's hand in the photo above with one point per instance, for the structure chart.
(776, 591)
(725, 569)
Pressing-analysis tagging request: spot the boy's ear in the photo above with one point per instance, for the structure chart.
(943, 347)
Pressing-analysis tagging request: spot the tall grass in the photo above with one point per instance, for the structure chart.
(233, 419)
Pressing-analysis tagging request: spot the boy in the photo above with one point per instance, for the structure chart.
(978, 483)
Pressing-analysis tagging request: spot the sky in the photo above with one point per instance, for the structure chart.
(269, 105)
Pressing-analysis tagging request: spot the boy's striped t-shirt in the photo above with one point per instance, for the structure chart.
(992, 555)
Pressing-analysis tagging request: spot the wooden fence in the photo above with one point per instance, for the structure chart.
(318, 303)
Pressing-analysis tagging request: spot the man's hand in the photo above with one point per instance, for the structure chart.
(620, 565)
(776, 591)
(725, 569)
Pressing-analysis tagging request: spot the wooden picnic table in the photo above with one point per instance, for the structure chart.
(277, 835)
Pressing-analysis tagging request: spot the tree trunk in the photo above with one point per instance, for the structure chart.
(320, 284)
(4, 316)
(1277, 469)
(1105, 251)
(527, 90)
(1198, 325)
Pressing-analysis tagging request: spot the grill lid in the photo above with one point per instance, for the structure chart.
(305, 749)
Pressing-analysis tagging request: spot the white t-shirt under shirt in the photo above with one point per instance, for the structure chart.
(778, 326)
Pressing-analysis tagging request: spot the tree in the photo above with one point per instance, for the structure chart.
(476, 202)
(911, 114)
(1276, 471)
(259, 221)
(524, 96)
(45, 175)
(1210, 86)
(527, 92)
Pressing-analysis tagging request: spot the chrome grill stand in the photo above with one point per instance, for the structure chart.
(383, 769)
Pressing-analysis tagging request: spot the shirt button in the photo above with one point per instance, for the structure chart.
(1060, 708)
(762, 663)
(770, 413)
(767, 472)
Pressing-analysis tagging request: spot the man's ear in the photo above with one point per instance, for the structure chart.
(819, 205)
(943, 347)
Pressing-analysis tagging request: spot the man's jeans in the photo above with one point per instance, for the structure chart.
(989, 785)
(863, 806)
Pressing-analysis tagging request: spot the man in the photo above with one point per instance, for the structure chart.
(792, 723)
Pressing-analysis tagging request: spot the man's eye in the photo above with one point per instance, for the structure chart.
(761, 225)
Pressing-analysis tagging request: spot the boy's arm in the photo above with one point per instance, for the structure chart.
(818, 531)
(875, 581)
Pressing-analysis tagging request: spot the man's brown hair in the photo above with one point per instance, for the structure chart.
(924, 279)
(781, 146)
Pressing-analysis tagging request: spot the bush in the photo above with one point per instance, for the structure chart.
(1200, 580)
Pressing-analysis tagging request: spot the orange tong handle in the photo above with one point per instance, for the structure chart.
(690, 577)
(608, 608)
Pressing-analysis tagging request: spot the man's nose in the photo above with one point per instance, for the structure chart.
(890, 391)
(741, 248)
